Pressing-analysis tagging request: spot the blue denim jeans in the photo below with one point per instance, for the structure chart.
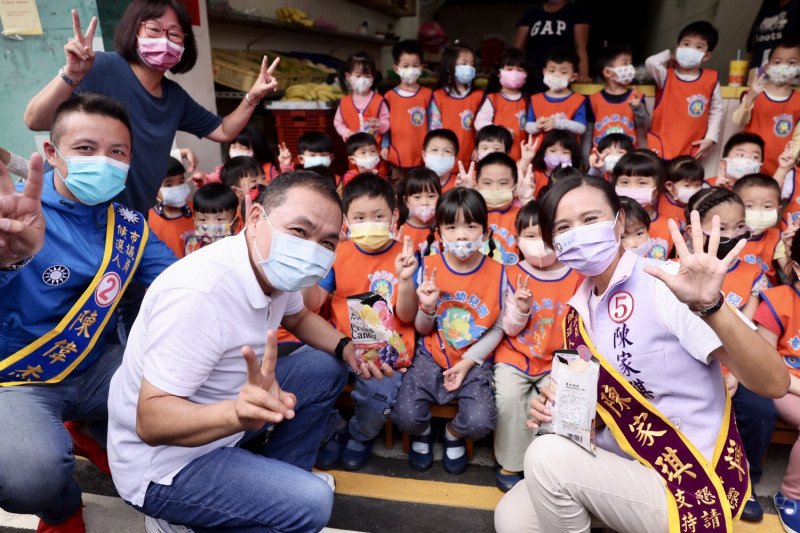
(36, 450)
(755, 418)
(373, 400)
(233, 489)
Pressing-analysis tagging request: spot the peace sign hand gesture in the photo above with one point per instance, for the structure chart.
(466, 178)
(526, 184)
(21, 220)
(78, 50)
(523, 297)
(265, 82)
(261, 398)
(699, 280)
(428, 292)
(405, 264)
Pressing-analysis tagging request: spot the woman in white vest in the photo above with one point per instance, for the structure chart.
(669, 457)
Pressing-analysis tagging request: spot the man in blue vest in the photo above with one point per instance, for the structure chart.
(67, 254)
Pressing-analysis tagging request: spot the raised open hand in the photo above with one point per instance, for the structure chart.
(22, 223)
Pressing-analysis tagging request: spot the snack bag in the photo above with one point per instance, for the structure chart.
(574, 381)
(372, 328)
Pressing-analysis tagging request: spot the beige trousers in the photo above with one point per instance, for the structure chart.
(565, 486)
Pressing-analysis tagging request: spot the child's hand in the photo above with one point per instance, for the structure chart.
(191, 158)
(405, 264)
(703, 146)
(722, 176)
(523, 297)
(786, 159)
(199, 178)
(528, 149)
(428, 292)
(454, 376)
(636, 99)
(549, 123)
(466, 178)
(788, 234)
(757, 88)
(385, 154)
(526, 185)
(373, 124)
(284, 157)
(597, 160)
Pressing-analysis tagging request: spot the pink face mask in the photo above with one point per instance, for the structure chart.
(423, 213)
(512, 79)
(643, 196)
(160, 54)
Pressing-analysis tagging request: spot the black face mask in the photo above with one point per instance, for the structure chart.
(725, 246)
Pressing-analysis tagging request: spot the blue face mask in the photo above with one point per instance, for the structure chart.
(93, 179)
(465, 74)
(294, 263)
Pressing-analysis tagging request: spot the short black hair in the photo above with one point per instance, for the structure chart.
(620, 140)
(138, 11)
(565, 139)
(408, 46)
(469, 202)
(359, 59)
(314, 141)
(784, 44)
(90, 104)
(325, 172)
(609, 54)
(705, 200)
(237, 168)
(497, 158)
(794, 249)
(175, 168)
(642, 163)
(634, 212)
(441, 133)
(252, 137)
(418, 180)
(684, 168)
(275, 193)
(511, 57)
(528, 215)
(562, 173)
(359, 140)
(562, 54)
(743, 138)
(757, 180)
(214, 198)
(548, 204)
(493, 132)
(369, 185)
(703, 29)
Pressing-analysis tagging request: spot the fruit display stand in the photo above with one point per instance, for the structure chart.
(239, 69)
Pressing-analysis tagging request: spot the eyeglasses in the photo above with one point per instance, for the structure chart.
(154, 31)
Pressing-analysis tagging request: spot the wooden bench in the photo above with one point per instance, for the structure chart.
(784, 433)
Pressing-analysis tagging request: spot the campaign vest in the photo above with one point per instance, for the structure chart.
(358, 272)
(564, 108)
(669, 209)
(355, 118)
(662, 239)
(784, 303)
(531, 351)
(739, 281)
(54, 355)
(511, 114)
(774, 122)
(458, 115)
(420, 237)
(540, 181)
(760, 250)
(650, 392)
(469, 304)
(610, 117)
(503, 235)
(792, 210)
(409, 122)
(680, 114)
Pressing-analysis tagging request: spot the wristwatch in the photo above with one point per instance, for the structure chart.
(710, 310)
(339, 351)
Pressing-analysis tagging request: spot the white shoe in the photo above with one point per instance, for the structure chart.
(157, 525)
(327, 478)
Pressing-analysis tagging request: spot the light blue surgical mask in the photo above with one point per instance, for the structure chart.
(465, 74)
(294, 263)
(93, 179)
(441, 164)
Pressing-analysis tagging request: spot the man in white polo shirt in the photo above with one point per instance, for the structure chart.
(191, 388)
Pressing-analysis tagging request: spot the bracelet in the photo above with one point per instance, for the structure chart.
(710, 310)
(247, 98)
(16, 266)
(67, 79)
(339, 351)
(432, 314)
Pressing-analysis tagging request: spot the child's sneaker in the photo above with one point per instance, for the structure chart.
(73, 524)
(788, 512)
(157, 525)
(420, 456)
(330, 454)
(506, 480)
(86, 446)
(455, 453)
(356, 454)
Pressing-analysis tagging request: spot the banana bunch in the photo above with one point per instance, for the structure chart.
(294, 16)
(313, 92)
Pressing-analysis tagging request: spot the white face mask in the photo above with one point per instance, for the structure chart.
(175, 196)
(441, 164)
(643, 249)
(738, 167)
(760, 220)
(536, 253)
(294, 263)
(361, 84)
(316, 161)
(368, 163)
(624, 74)
(556, 83)
(610, 161)
(689, 57)
(409, 75)
(463, 249)
(781, 74)
(237, 153)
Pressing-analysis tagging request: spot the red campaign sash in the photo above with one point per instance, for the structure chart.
(702, 497)
(54, 355)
